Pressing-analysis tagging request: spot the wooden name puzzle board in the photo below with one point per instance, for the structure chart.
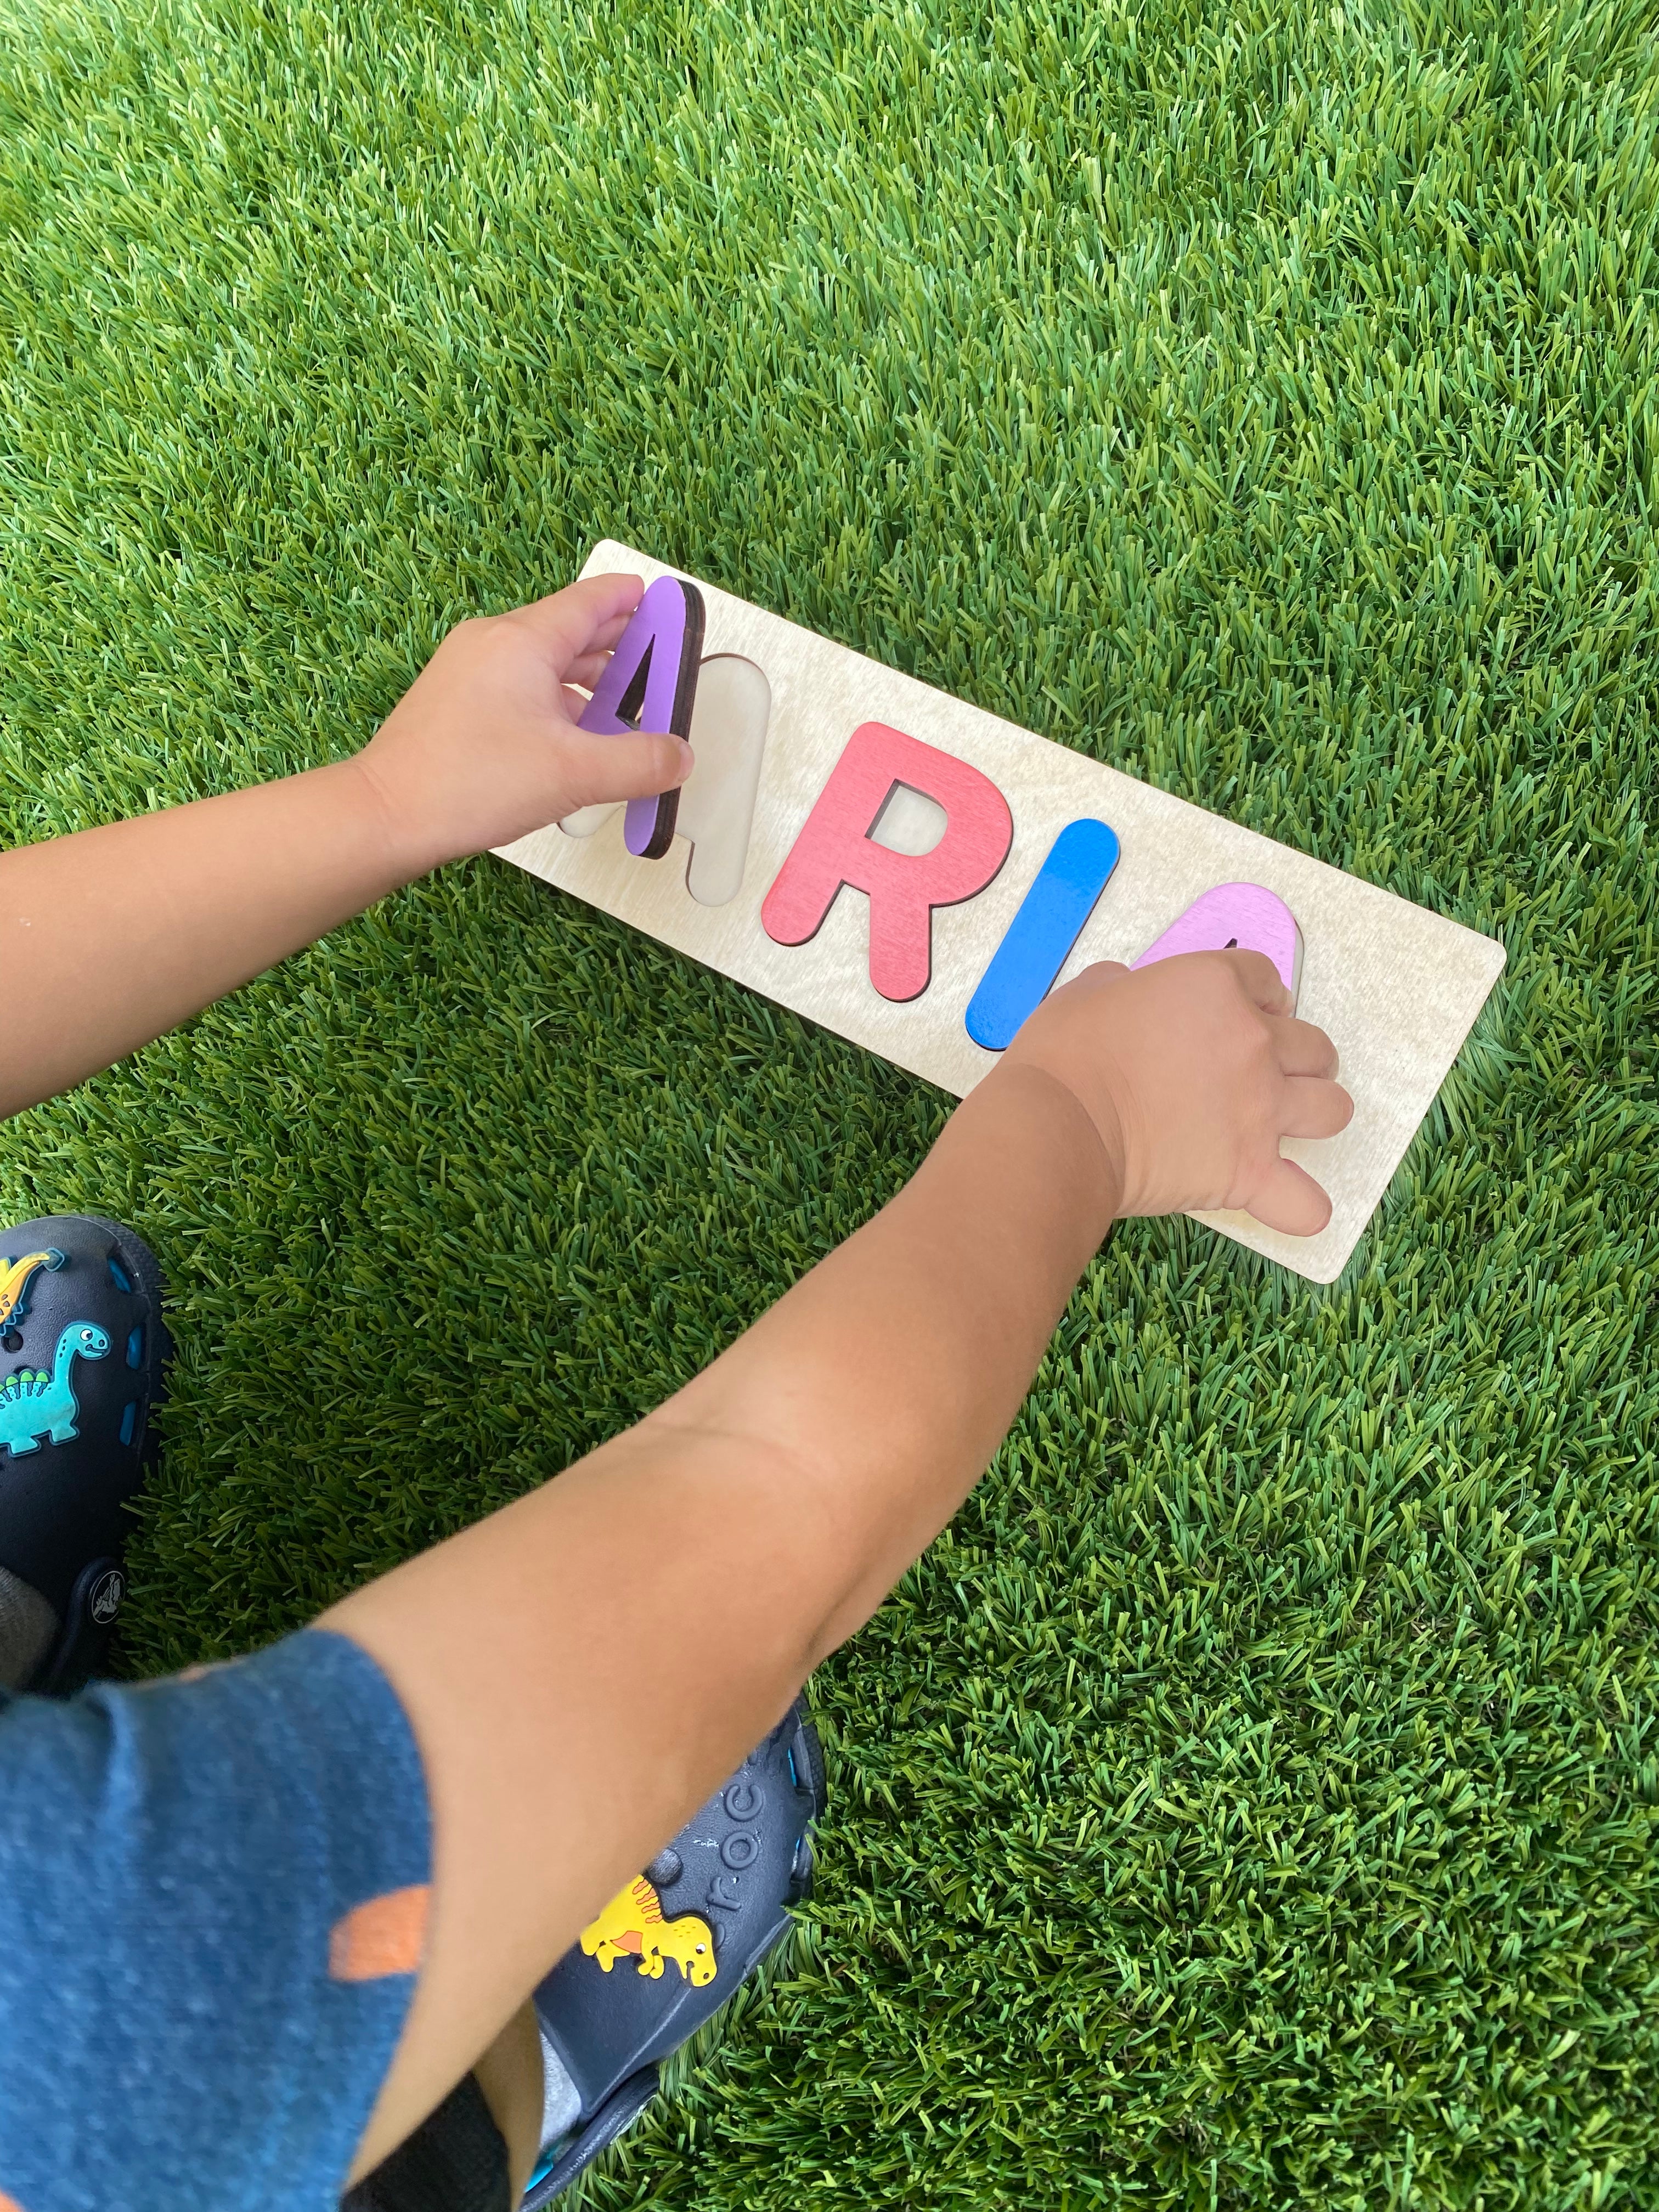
(915, 873)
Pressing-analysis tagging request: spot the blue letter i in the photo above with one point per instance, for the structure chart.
(1049, 922)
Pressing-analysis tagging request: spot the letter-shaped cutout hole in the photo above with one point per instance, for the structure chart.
(586, 819)
(717, 805)
(716, 815)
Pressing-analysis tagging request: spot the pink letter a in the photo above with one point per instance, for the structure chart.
(835, 848)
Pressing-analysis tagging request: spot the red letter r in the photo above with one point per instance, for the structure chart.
(835, 848)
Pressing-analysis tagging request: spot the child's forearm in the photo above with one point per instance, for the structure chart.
(608, 1644)
(887, 1377)
(582, 1668)
(111, 937)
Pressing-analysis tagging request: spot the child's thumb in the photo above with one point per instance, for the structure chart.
(627, 766)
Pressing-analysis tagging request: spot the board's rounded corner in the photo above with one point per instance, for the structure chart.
(607, 557)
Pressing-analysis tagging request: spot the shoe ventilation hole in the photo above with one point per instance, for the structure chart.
(129, 1420)
(118, 1275)
(13, 1340)
(136, 1347)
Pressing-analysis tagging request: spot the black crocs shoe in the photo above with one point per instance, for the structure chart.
(669, 1949)
(82, 1355)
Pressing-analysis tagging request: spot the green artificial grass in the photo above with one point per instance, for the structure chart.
(1251, 1800)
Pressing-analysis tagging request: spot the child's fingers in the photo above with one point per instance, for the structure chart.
(608, 632)
(1303, 1049)
(1315, 1108)
(1261, 979)
(583, 615)
(623, 766)
(1292, 1201)
(587, 670)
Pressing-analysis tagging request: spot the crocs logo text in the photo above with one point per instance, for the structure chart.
(742, 1799)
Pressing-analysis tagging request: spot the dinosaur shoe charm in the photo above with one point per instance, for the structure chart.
(39, 1407)
(82, 1349)
(632, 1926)
(702, 1916)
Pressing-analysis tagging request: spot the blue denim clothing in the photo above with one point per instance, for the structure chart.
(212, 1897)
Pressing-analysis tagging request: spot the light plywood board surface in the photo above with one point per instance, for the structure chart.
(1396, 987)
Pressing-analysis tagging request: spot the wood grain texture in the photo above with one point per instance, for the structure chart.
(1396, 987)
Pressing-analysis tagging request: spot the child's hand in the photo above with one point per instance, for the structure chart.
(484, 747)
(1191, 1071)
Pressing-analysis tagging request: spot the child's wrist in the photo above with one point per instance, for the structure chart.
(1052, 1124)
(404, 849)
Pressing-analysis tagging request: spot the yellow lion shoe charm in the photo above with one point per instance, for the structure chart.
(632, 1924)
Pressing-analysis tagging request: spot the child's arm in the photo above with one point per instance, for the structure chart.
(584, 1667)
(111, 937)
